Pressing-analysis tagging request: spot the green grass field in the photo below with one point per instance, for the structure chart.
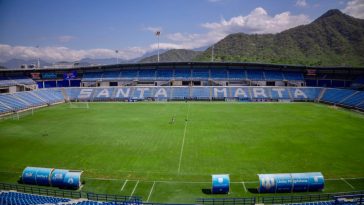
(173, 162)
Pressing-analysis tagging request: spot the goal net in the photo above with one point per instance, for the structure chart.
(79, 104)
(22, 114)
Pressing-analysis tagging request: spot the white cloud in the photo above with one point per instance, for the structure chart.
(355, 8)
(258, 21)
(301, 3)
(153, 29)
(54, 54)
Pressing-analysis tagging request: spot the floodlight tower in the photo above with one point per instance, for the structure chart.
(38, 58)
(117, 56)
(158, 33)
(212, 52)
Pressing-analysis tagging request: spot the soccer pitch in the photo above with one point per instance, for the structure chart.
(166, 152)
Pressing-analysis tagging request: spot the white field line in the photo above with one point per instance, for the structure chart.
(183, 139)
(122, 188)
(244, 186)
(194, 182)
(347, 183)
(134, 188)
(150, 193)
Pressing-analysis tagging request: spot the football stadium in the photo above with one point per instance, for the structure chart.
(265, 106)
(158, 132)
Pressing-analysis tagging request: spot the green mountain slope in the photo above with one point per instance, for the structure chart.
(332, 39)
(174, 55)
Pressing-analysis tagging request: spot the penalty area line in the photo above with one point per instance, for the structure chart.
(244, 186)
(347, 183)
(151, 190)
(122, 188)
(134, 188)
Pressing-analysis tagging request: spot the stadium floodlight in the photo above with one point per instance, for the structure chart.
(117, 56)
(158, 33)
(212, 52)
(38, 58)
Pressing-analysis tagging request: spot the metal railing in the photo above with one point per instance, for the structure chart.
(227, 201)
(277, 199)
(113, 198)
(41, 190)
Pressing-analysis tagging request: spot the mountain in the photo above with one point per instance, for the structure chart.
(16, 63)
(174, 55)
(332, 39)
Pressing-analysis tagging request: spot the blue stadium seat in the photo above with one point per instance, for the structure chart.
(182, 74)
(129, 74)
(165, 74)
(237, 74)
(143, 92)
(102, 94)
(17, 198)
(218, 74)
(309, 93)
(13, 102)
(200, 92)
(273, 75)
(16, 80)
(111, 75)
(355, 99)
(333, 95)
(256, 75)
(279, 93)
(92, 76)
(293, 76)
(180, 92)
(51, 96)
(147, 74)
(200, 74)
(30, 98)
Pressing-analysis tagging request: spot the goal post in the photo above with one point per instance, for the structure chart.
(79, 104)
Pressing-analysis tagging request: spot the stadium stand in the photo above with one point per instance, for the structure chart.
(129, 74)
(293, 76)
(17, 198)
(147, 74)
(182, 74)
(218, 74)
(237, 75)
(17, 80)
(273, 75)
(42, 97)
(257, 75)
(92, 76)
(192, 74)
(164, 74)
(200, 74)
(111, 75)
(335, 96)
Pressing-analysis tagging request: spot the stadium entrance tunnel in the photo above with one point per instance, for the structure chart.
(61, 178)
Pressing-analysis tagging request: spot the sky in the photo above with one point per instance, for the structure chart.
(70, 30)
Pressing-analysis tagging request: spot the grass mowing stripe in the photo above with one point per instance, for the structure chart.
(122, 188)
(151, 190)
(347, 183)
(183, 139)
